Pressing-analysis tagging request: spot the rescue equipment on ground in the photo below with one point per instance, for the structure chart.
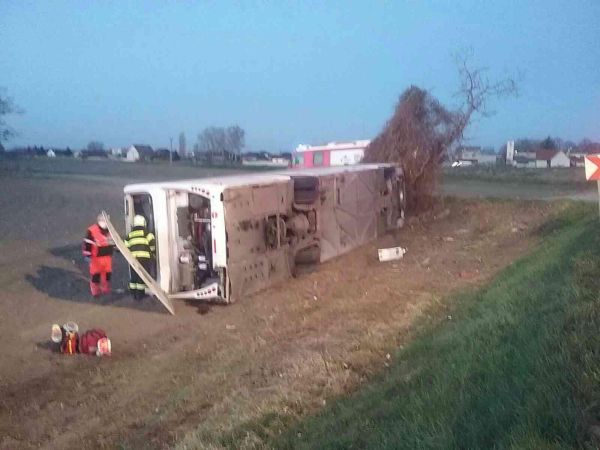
(70, 341)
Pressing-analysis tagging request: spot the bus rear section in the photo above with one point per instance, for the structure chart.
(181, 219)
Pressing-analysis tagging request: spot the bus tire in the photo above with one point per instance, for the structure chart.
(308, 255)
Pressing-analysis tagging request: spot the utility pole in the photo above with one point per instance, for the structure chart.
(171, 152)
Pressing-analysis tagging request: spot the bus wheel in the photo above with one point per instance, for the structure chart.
(308, 255)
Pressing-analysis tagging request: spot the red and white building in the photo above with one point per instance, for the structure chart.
(332, 154)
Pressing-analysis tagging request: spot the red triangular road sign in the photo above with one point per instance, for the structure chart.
(592, 167)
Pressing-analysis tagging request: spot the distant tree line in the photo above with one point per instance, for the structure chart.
(525, 145)
(7, 106)
(220, 145)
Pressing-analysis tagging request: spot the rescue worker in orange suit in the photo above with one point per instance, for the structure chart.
(97, 251)
(142, 246)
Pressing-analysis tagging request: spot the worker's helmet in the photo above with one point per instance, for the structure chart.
(139, 221)
(71, 327)
(101, 222)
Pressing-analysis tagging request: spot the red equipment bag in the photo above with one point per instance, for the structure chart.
(88, 341)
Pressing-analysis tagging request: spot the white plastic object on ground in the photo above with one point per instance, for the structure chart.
(104, 347)
(56, 335)
(391, 254)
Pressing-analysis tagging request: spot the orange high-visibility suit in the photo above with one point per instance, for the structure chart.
(99, 248)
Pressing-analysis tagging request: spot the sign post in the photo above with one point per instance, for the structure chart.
(592, 172)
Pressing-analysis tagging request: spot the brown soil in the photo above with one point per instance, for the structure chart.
(206, 372)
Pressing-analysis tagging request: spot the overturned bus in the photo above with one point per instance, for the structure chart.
(223, 238)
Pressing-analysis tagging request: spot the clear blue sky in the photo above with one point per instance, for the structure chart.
(288, 72)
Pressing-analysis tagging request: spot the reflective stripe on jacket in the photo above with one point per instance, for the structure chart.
(140, 243)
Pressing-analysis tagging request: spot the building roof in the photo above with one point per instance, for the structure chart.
(162, 153)
(143, 150)
(522, 159)
(545, 155)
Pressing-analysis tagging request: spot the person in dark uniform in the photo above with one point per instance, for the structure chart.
(142, 246)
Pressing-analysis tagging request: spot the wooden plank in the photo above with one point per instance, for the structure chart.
(135, 265)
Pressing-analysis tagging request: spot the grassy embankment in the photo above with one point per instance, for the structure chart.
(513, 365)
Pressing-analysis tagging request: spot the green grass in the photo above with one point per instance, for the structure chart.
(573, 177)
(516, 366)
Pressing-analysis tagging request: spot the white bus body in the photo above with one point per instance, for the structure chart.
(223, 238)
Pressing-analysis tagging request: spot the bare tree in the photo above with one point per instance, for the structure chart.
(422, 131)
(211, 141)
(235, 139)
(220, 143)
(94, 146)
(7, 106)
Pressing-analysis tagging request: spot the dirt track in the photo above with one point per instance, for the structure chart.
(208, 372)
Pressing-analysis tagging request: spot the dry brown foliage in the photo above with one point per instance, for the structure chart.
(422, 131)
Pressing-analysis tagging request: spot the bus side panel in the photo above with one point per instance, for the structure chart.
(252, 266)
(328, 227)
(349, 216)
(259, 272)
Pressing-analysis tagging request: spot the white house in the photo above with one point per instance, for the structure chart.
(468, 156)
(551, 158)
(270, 162)
(139, 152)
(116, 152)
(51, 154)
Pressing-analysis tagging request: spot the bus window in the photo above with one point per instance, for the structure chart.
(317, 158)
(299, 160)
(142, 205)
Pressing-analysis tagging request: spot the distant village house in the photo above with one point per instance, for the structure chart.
(163, 154)
(551, 158)
(139, 152)
(470, 156)
(117, 152)
(265, 159)
(94, 154)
